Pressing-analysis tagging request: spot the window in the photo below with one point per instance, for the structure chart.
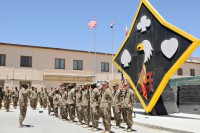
(78, 65)
(192, 72)
(2, 59)
(180, 71)
(26, 61)
(104, 66)
(59, 63)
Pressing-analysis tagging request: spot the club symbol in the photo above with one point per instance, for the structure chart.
(143, 24)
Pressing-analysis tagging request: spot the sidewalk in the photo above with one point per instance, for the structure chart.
(178, 122)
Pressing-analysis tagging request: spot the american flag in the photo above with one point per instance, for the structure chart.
(92, 24)
(123, 79)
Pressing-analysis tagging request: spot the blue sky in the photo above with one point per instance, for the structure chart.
(63, 23)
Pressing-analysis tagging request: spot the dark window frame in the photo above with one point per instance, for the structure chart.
(76, 64)
(192, 72)
(180, 72)
(59, 66)
(26, 61)
(103, 69)
(3, 63)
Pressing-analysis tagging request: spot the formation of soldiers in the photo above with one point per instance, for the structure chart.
(7, 96)
(86, 102)
(89, 102)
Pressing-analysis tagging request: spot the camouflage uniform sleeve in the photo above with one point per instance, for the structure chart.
(25, 92)
(98, 95)
(132, 96)
(109, 95)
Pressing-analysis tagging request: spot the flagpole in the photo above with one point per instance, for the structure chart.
(112, 50)
(95, 58)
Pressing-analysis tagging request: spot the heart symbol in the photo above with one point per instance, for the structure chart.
(169, 47)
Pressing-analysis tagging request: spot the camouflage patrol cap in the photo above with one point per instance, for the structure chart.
(56, 89)
(94, 83)
(126, 82)
(87, 84)
(104, 82)
(116, 84)
(70, 85)
(79, 85)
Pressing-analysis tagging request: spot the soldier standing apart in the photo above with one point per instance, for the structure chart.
(63, 103)
(23, 100)
(15, 97)
(30, 96)
(116, 104)
(78, 104)
(50, 100)
(127, 104)
(1, 96)
(41, 97)
(44, 97)
(71, 102)
(34, 97)
(56, 101)
(95, 99)
(7, 99)
(105, 106)
(86, 105)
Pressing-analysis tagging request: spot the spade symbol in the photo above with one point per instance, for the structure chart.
(126, 58)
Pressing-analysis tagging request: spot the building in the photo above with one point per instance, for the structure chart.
(190, 68)
(49, 67)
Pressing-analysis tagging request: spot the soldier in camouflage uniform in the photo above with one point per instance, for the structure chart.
(15, 97)
(44, 97)
(127, 104)
(30, 96)
(50, 100)
(40, 96)
(34, 98)
(56, 101)
(7, 99)
(23, 100)
(71, 102)
(63, 103)
(86, 105)
(105, 106)
(116, 104)
(1, 96)
(95, 99)
(79, 111)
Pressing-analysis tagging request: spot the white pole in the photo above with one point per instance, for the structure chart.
(13, 77)
(95, 56)
(112, 50)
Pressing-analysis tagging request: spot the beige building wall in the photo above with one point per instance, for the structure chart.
(189, 64)
(44, 59)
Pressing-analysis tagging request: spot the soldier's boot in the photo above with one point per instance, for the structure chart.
(95, 129)
(129, 130)
(85, 126)
(20, 125)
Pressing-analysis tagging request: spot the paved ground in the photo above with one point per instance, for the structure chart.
(43, 123)
(178, 122)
